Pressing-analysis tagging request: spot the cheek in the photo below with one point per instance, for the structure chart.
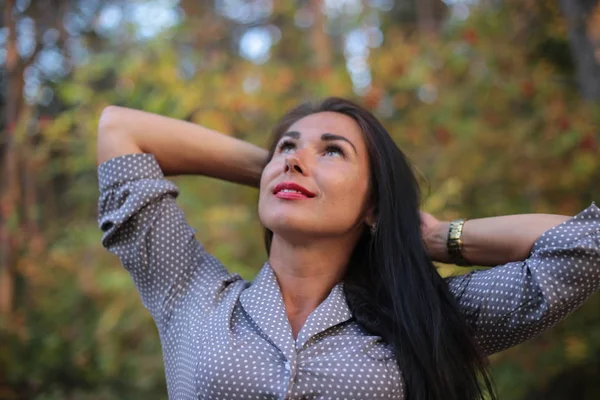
(347, 193)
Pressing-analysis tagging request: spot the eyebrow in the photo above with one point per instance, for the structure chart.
(325, 136)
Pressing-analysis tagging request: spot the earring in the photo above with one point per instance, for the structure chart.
(373, 228)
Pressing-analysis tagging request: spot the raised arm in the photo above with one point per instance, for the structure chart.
(511, 303)
(179, 147)
(137, 212)
(491, 241)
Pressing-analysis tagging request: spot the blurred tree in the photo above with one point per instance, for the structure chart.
(321, 42)
(424, 16)
(483, 107)
(430, 15)
(42, 37)
(8, 160)
(580, 382)
(583, 21)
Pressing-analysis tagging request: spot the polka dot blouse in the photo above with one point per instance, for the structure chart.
(225, 338)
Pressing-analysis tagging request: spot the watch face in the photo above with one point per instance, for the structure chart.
(454, 232)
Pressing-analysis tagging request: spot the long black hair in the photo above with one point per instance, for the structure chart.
(391, 285)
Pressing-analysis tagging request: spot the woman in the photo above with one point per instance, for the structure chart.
(349, 305)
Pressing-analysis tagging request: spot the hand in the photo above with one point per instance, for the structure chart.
(429, 223)
(433, 234)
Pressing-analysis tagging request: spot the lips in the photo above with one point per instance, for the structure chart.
(291, 190)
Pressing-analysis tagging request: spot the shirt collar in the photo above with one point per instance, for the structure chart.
(263, 301)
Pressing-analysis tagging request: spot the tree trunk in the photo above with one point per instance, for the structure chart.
(195, 9)
(9, 179)
(425, 16)
(319, 39)
(31, 201)
(584, 48)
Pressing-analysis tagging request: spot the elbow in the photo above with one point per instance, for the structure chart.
(110, 119)
(113, 139)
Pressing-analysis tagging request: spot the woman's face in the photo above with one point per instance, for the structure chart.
(326, 156)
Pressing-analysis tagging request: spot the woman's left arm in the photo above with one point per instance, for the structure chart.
(489, 241)
(511, 303)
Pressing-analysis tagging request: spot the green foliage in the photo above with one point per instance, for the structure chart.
(78, 331)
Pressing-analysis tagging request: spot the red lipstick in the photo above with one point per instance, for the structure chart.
(292, 191)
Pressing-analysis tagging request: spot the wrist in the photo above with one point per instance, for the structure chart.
(255, 166)
(454, 244)
(436, 242)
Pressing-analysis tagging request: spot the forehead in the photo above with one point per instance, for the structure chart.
(328, 122)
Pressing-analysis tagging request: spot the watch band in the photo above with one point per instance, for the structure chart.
(454, 243)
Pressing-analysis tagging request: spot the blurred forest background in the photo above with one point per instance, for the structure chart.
(496, 102)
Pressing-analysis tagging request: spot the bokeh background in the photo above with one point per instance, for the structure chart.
(496, 102)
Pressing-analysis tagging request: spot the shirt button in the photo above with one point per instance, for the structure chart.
(287, 366)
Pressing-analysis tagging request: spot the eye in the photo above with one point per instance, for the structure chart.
(333, 149)
(285, 146)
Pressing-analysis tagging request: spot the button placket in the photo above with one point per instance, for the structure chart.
(290, 366)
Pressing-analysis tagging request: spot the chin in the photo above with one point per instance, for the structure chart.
(286, 222)
(279, 221)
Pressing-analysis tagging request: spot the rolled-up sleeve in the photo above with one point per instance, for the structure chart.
(144, 227)
(509, 304)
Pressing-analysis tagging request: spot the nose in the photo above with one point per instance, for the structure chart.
(293, 164)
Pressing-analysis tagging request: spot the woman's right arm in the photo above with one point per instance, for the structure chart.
(137, 210)
(179, 147)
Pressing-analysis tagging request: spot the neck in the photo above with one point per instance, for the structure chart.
(306, 273)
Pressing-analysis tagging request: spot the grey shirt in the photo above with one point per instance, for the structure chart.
(225, 338)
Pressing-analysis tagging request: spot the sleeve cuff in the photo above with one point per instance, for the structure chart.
(562, 235)
(126, 168)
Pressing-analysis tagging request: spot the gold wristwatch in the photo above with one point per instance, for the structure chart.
(454, 243)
